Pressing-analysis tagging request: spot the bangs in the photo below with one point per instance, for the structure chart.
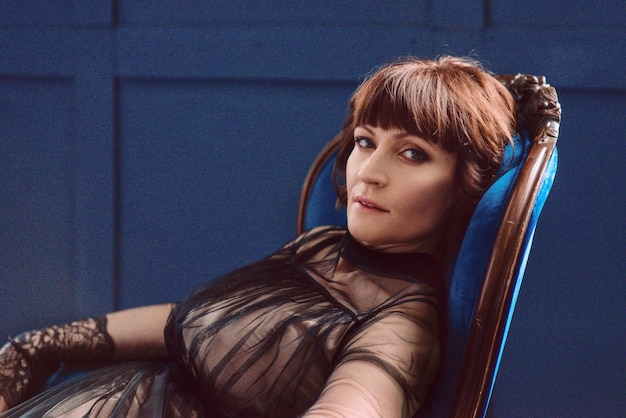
(410, 101)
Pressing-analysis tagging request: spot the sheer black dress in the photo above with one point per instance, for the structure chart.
(264, 340)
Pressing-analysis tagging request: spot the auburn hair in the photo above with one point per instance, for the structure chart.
(453, 102)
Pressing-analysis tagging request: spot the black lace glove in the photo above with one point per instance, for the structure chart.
(27, 360)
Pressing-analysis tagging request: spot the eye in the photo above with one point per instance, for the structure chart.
(415, 154)
(363, 142)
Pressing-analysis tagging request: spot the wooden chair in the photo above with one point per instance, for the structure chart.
(486, 276)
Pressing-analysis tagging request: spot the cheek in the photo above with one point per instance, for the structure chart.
(351, 173)
(432, 202)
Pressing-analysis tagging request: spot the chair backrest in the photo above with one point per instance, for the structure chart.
(486, 275)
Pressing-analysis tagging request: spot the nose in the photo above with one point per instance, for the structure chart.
(373, 169)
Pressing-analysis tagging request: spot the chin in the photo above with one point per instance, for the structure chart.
(367, 238)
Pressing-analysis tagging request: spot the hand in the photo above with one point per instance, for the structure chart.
(3, 405)
(27, 360)
(15, 376)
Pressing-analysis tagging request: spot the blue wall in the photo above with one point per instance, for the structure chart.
(146, 147)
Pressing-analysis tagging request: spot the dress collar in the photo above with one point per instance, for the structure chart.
(418, 267)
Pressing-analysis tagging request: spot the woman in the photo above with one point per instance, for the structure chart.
(337, 322)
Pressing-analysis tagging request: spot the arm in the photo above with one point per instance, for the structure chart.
(138, 333)
(384, 371)
(359, 390)
(27, 360)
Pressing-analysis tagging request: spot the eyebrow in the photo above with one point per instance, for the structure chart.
(401, 135)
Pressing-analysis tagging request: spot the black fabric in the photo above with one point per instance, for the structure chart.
(415, 267)
(263, 340)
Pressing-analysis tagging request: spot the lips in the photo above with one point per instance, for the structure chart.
(369, 205)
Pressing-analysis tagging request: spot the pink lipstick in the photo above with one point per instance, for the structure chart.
(368, 205)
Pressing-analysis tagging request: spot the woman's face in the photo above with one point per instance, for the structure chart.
(400, 190)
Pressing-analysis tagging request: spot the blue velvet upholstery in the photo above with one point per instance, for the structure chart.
(321, 209)
(467, 270)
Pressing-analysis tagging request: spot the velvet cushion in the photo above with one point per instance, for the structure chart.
(471, 262)
(321, 209)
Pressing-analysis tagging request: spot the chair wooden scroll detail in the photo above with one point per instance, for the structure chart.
(483, 334)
